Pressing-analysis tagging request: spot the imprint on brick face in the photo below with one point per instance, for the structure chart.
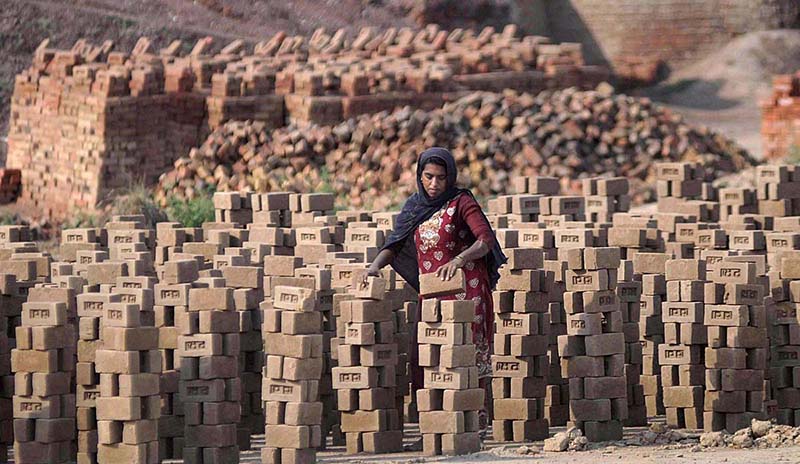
(577, 324)
(513, 323)
(86, 260)
(721, 314)
(730, 272)
(741, 240)
(350, 377)
(714, 259)
(704, 238)
(570, 238)
(605, 300)
(732, 196)
(582, 280)
(289, 298)
(530, 237)
(70, 238)
(507, 366)
(433, 332)
(221, 264)
(441, 376)
(194, 344)
(594, 203)
(786, 312)
(91, 394)
(170, 294)
(745, 293)
(629, 291)
(360, 237)
(30, 406)
(39, 313)
(93, 305)
(787, 355)
(281, 389)
(131, 285)
(674, 354)
(552, 223)
(678, 312)
(669, 171)
(687, 232)
(779, 242)
(128, 298)
(308, 236)
(345, 274)
(197, 390)
(125, 239)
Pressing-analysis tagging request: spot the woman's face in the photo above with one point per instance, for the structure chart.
(434, 180)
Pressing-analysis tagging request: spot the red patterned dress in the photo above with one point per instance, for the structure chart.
(451, 230)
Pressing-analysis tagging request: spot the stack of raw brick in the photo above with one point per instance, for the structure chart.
(209, 346)
(682, 188)
(293, 347)
(44, 397)
(365, 378)
(682, 354)
(7, 339)
(604, 197)
(737, 354)
(593, 351)
(451, 399)
(785, 339)
(519, 362)
(780, 112)
(778, 190)
(129, 366)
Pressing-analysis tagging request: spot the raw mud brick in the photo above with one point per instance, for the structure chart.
(573, 238)
(584, 324)
(433, 286)
(587, 280)
(685, 269)
(441, 333)
(294, 298)
(727, 315)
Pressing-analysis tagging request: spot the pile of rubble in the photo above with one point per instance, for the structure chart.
(760, 434)
(563, 133)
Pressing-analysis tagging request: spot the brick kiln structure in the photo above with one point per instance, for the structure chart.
(89, 120)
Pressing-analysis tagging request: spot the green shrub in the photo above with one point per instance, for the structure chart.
(193, 212)
(138, 199)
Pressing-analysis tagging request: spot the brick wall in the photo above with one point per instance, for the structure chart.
(633, 35)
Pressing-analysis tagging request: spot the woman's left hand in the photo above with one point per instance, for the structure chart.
(447, 271)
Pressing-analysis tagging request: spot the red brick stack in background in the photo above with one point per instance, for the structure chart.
(780, 133)
(86, 121)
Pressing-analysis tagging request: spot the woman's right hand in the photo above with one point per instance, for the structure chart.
(371, 271)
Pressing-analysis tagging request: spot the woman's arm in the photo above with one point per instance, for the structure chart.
(472, 216)
(386, 256)
(476, 251)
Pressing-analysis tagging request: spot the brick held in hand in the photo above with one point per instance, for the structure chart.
(431, 285)
(373, 289)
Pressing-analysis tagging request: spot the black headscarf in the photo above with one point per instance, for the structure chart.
(419, 208)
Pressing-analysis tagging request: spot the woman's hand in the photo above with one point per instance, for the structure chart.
(371, 271)
(447, 271)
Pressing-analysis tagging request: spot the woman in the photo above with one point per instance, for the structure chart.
(441, 229)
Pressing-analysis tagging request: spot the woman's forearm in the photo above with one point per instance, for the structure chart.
(385, 257)
(476, 251)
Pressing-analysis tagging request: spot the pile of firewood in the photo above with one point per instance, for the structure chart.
(370, 160)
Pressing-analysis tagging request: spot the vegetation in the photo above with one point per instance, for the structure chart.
(191, 212)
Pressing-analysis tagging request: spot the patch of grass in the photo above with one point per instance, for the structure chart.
(138, 199)
(83, 219)
(793, 156)
(193, 212)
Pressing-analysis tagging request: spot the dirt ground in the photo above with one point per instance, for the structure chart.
(496, 453)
